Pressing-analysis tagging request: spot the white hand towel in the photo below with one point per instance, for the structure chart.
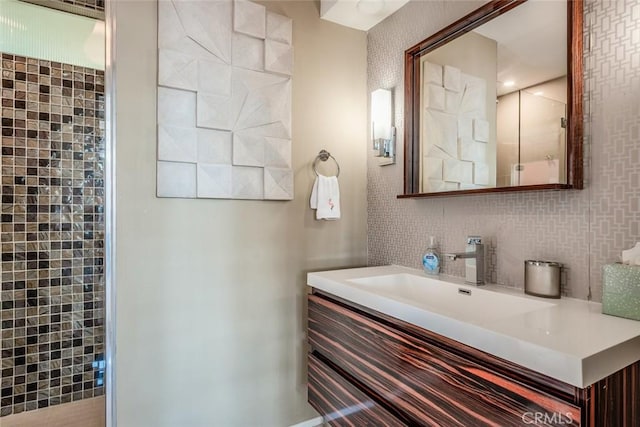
(313, 201)
(325, 196)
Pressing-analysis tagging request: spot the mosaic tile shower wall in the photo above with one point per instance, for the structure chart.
(581, 229)
(52, 233)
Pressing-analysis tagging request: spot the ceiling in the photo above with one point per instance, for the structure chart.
(531, 43)
(359, 14)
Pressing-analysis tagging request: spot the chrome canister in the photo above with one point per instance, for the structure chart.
(542, 278)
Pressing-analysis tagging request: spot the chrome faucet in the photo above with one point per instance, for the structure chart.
(474, 260)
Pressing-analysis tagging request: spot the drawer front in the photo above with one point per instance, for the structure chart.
(615, 401)
(427, 384)
(341, 403)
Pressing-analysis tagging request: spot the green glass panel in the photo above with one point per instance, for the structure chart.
(39, 32)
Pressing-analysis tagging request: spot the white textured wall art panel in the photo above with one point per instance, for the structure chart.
(458, 171)
(454, 132)
(452, 101)
(472, 151)
(177, 70)
(441, 133)
(451, 78)
(248, 148)
(213, 77)
(214, 146)
(465, 128)
(434, 97)
(173, 36)
(278, 57)
(176, 107)
(432, 168)
(278, 183)
(262, 101)
(249, 18)
(277, 152)
(214, 111)
(473, 99)
(480, 130)
(480, 173)
(248, 182)
(279, 28)
(248, 52)
(177, 144)
(214, 180)
(432, 73)
(176, 179)
(224, 100)
(439, 185)
(207, 23)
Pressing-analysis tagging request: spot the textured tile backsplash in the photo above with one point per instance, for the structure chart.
(52, 233)
(581, 229)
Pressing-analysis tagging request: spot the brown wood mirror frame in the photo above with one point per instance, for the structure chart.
(574, 131)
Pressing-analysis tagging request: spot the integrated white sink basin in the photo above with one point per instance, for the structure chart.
(462, 302)
(567, 339)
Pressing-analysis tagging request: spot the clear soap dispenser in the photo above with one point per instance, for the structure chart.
(431, 259)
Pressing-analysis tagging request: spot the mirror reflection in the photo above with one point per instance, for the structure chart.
(493, 103)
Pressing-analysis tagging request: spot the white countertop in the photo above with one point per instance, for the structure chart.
(567, 339)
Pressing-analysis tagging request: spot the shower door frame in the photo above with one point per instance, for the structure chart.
(110, 205)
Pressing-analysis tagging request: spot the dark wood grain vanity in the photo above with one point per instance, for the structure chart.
(370, 369)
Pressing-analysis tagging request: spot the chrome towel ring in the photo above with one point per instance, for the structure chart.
(324, 155)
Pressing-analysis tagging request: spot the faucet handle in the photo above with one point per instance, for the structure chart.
(474, 240)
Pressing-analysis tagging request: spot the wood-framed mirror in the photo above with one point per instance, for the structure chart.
(493, 102)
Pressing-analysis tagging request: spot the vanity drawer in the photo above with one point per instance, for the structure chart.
(341, 403)
(427, 384)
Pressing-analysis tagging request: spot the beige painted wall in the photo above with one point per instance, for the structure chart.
(210, 293)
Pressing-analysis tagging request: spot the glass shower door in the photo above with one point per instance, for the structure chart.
(53, 214)
(542, 140)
